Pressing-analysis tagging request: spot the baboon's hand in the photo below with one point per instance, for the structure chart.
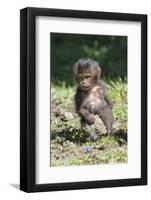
(90, 119)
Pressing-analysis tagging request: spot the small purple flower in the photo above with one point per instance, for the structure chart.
(87, 149)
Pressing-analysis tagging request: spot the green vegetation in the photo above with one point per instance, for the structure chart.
(67, 138)
(66, 49)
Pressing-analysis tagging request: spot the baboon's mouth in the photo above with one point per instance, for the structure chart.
(85, 88)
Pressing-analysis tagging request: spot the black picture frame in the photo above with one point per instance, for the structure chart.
(28, 99)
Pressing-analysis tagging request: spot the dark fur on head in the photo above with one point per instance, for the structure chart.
(88, 64)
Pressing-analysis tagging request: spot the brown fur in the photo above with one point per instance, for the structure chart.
(90, 98)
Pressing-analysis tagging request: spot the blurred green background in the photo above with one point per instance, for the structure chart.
(66, 49)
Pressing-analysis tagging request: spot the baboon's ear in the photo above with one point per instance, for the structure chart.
(75, 70)
(99, 71)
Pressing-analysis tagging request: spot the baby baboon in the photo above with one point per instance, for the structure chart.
(91, 94)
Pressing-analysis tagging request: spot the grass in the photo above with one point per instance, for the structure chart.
(69, 144)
